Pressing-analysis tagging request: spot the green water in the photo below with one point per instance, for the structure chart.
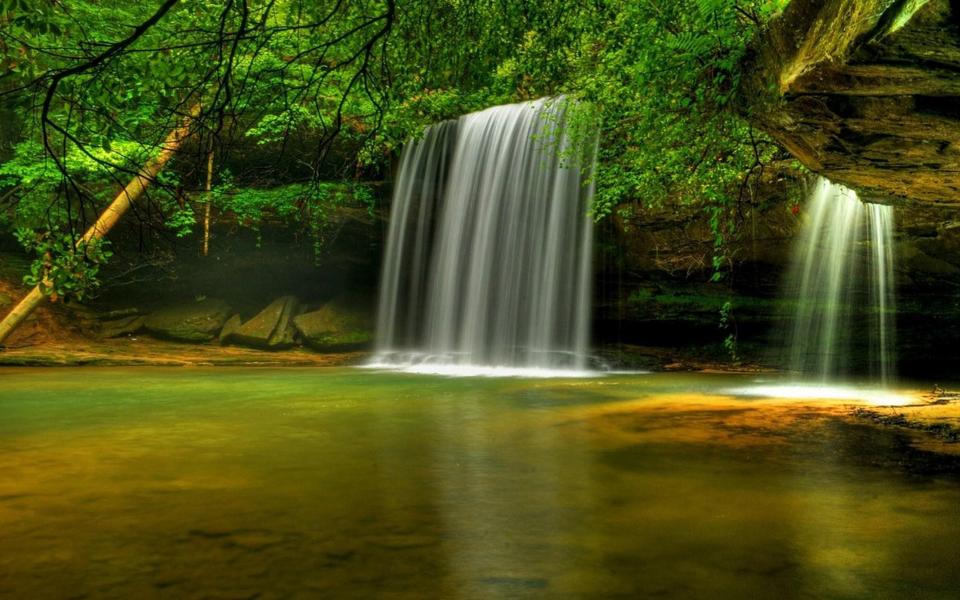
(249, 483)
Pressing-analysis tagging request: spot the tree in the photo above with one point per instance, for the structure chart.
(272, 60)
(334, 88)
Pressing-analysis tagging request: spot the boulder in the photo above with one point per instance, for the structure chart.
(190, 322)
(271, 329)
(920, 264)
(120, 327)
(340, 324)
(231, 326)
(119, 313)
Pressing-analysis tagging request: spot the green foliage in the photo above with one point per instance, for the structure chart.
(664, 75)
(729, 324)
(658, 79)
(264, 72)
(182, 221)
(314, 204)
(37, 181)
(65, 269)
(661, 78)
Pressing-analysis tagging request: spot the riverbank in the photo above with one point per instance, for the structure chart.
(144, 351)
(933, 423)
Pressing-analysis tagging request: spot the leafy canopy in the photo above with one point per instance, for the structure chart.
(294, 95)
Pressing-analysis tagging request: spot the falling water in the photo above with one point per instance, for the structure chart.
(488, 254)
(881, 238)
(842, 283)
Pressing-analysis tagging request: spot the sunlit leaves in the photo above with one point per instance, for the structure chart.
(657, 76)
(65, 269)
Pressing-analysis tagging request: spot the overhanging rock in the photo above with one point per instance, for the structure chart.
(865, 92)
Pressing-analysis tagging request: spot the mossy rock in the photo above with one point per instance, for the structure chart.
(229, 328)
(121, 327)
(192, 322)
(341, 324)
(271, 329)
(919, 263)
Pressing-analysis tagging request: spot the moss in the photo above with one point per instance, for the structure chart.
(896, 17)
(702, 301)
(344, 339)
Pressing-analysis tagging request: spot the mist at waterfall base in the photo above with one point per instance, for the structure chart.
(487, 269)
(840, 288)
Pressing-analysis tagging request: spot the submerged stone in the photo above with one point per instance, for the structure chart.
(194, 322)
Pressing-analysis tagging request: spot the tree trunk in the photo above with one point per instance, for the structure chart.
(107, 220)
(206, 206)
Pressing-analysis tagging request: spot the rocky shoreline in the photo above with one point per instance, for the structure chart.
(146, 351)
(342, 324)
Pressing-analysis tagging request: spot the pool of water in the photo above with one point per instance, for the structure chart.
(266, 483)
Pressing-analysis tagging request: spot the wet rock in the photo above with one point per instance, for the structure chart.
(920, 229)
(230, 327)
(121, 327)
(919, 263)
(82, 318)
(864, 92)
(120, 313)
(192, 322)
(342, 323)
(271, 329)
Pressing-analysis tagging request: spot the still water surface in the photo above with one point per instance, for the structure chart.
(255, 483)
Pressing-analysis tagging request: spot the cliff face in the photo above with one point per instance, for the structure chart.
(865, 92)
(653, 273)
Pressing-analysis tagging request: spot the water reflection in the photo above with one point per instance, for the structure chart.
(357, 484)
(801, 391)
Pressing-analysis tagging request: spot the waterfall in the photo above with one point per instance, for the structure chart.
(488, 255)
(841, 282)
(882, 293)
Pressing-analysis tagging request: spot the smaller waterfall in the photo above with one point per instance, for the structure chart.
(842, 283)
(883, 297)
